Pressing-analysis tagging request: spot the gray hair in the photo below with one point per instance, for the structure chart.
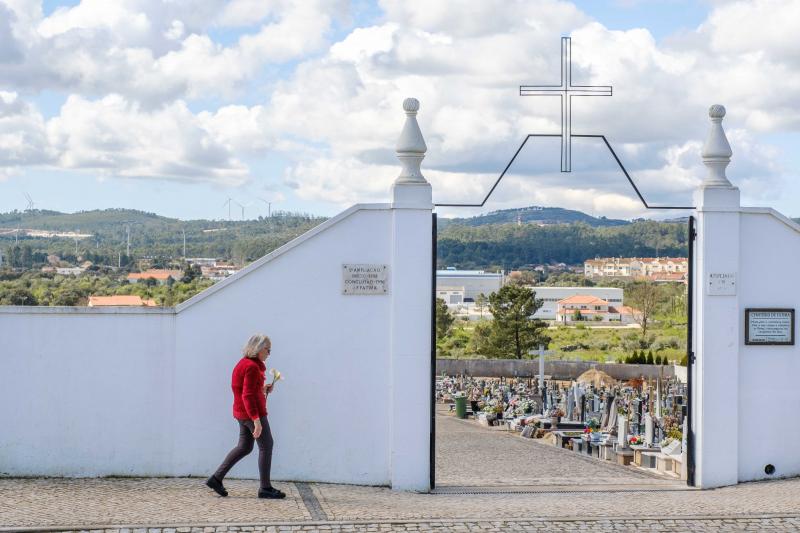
(256, 344)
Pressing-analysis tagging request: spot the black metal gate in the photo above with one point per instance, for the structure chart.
(690, 357)
(432, 451)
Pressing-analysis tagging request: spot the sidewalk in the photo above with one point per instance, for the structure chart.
(488, 481)
(182, 503)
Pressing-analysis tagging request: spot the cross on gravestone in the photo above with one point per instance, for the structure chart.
(566, 91)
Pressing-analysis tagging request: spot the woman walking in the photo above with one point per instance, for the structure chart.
(250, 410)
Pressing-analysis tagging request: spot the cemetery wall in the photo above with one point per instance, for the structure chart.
(85, 391)
(121, 391)
(557, 369)
(768, 401)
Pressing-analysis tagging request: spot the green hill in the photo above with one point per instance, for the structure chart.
(151, 235)
(533, 215)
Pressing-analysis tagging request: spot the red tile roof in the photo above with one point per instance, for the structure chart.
(583, 299)
(156, 274)
(120, 300)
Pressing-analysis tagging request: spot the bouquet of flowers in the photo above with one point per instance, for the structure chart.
(636, 440)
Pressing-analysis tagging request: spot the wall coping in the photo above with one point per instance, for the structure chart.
(68, 310)
(770, 211)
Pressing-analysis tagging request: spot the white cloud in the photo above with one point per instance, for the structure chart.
(116, 137)
(23, 141)
(156, 51)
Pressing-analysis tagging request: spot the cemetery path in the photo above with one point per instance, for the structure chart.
(471, 455)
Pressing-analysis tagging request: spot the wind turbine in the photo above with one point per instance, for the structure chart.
(228, 203)
(269, 207)
(240, 205)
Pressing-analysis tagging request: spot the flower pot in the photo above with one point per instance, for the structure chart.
(554, 420)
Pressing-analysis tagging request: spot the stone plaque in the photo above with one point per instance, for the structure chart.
(365, 279)
(773, 327)
(721, 284)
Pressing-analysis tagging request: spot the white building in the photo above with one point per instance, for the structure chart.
(552, 295)
(635, 267)
(450, 295)
(582, 307)
(474, 282)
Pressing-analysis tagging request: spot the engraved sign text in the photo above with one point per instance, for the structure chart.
(365, 279)
(721, 284)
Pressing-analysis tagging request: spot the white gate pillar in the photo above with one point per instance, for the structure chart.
(718, 324)
(412, 227)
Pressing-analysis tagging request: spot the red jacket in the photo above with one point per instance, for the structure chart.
(249, 400)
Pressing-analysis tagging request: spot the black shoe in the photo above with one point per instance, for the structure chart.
(272, 493)
(216, 485)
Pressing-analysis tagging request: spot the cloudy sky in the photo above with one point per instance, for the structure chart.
(173, 106)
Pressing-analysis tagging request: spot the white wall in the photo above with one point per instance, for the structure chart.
(768, 375)
(147, 392)
(745, 400)
(85, 392)
(330, 418)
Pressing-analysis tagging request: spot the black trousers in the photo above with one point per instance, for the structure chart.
(245, 446)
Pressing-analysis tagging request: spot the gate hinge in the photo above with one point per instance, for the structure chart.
(692, 358)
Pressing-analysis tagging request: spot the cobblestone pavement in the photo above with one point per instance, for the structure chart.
(607, 499)
(469, 454)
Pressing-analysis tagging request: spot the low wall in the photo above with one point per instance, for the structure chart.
(524, 368)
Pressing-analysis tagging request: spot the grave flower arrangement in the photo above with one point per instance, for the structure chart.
(675, 433)
(636, 440)
(592, 426)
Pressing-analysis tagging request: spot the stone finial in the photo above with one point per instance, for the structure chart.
(716, 152)
(411, 146)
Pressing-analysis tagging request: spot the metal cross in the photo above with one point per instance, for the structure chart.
(566, 91)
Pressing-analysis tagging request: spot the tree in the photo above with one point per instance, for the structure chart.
(18, 296)
(68, 296)
(480, 343)
(643, 297)
(577, 316)
(444, 319)
(480, 303)
(521, 277)
(650, 360)
(514, 330)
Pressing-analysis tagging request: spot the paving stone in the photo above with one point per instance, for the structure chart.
(467, 455)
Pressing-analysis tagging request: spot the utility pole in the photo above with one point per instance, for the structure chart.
(119, 260)
(184, 243)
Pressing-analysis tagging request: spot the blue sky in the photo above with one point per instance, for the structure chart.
(173, 109)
